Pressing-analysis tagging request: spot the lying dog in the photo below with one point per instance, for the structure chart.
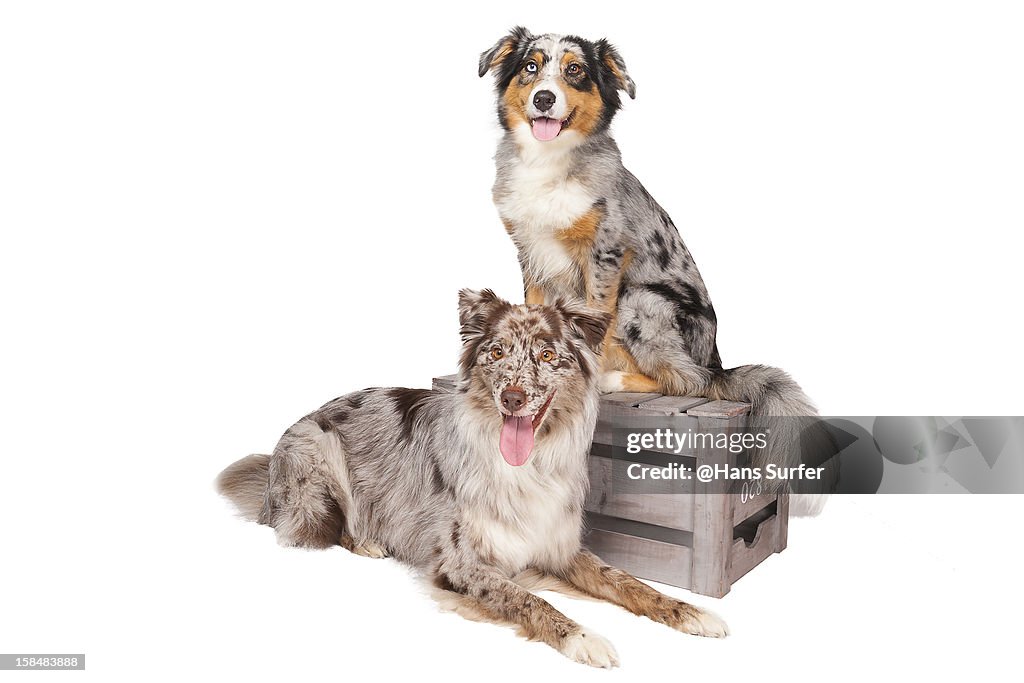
(472, 488)
(586, 228)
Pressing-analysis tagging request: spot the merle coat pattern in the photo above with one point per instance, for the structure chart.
(426, 477)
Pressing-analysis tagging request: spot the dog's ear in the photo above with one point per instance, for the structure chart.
(588, 324)
(503, 49)
(475, 307)
(614, 68)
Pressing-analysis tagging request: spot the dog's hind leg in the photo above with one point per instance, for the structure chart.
(482, 593)
(301, 504)
(310, 500)
(648, 372)
(595, 578)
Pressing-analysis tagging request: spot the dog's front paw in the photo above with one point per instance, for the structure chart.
(611, 382)
(366, 548)
(697, 622)
(370, 549)
(587, 647)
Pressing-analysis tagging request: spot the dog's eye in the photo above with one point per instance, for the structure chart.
(573, 69)
(531, 67)
(497, 353)
(547, 355)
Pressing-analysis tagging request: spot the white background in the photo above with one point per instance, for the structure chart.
(217, 216)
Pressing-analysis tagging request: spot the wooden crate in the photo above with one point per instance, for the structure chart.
(681, 532)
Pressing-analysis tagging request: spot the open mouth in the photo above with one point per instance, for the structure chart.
(545, 129)
(517, 435)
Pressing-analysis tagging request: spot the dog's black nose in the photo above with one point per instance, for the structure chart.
(513, 399)
(544, 100)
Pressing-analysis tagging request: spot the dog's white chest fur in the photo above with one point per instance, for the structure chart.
(531, 517)
(535, 526)
(540, 200)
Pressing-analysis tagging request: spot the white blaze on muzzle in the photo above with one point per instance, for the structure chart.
(547, 124)
(546, 121)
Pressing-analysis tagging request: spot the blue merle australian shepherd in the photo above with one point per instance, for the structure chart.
(585, 227)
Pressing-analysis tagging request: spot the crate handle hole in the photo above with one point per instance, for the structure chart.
(750, 529)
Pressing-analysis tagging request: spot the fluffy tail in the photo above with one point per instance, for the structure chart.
(245, 483)
(782, 411)
(770, 391)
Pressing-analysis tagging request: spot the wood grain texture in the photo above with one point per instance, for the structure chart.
(719, 409)
(627, 398)
(671, 405)
(712, 518)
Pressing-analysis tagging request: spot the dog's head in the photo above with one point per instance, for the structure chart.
(532, 367)
(554, 87)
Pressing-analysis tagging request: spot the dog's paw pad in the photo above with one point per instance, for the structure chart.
(587, 647)
(369, 549)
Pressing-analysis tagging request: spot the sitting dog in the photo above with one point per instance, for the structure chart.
(473, 487)
(586, 228)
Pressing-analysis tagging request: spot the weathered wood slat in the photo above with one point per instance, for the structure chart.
(712, 518)
(640, 529)
(631, 417)
(628, 399)
(782, 537)
(719, 409)
(671, 405)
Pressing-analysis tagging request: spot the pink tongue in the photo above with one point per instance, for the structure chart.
(546, 129)
(516, 439)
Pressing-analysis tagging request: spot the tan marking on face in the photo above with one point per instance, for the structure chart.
(514, 101)
(517, 93)
(568, 58)
(586, 107)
